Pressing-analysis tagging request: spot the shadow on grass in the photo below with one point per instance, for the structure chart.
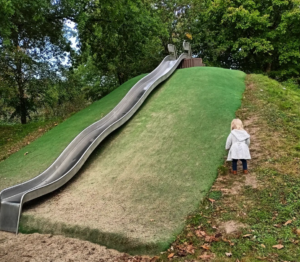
(30, 224)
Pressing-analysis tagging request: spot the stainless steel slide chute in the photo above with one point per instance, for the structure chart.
(76, 153)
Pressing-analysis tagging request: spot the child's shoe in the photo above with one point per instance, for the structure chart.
(245, 171)
(234, 172)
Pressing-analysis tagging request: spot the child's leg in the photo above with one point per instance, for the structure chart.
(234, 164)
(244, 161)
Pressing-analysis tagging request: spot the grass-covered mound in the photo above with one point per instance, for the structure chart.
(37, 156)
(259, 211)
(136, 189)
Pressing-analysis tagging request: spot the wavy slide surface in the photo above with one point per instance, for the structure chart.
(76, 153)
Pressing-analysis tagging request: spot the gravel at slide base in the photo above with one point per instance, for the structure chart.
(37, 247)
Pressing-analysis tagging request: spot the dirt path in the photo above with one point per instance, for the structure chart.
(37, 247)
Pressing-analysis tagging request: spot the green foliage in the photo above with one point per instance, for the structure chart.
(175, 17)
(32, 48)
(116, 33)
(6, 10)
(93, 83)
(126, 38)
(254, 36)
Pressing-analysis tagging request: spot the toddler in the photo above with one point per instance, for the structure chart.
(238, 143)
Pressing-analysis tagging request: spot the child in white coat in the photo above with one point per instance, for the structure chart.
(238, 143)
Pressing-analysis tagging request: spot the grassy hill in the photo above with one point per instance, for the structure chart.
(137, 188)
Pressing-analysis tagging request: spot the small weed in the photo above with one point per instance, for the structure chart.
(297, 147)
(216, 195)
(223, 170)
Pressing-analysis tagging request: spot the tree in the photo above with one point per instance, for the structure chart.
(6, 11)
(121, 36)
(93, 83)
(32, 49)
(251, 35)
(175, 17)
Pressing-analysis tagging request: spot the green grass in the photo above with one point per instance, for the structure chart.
(11, 135)
(154, 170)
(42, 152)
(17, 132)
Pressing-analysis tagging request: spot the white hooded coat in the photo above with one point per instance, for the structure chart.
(238, 143)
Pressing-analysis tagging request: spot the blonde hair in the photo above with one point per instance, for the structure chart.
(237, 124)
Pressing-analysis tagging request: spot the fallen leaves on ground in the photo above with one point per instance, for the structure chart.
(185, 249)
(208, 238)
(247, 235)
(171, 255)
(206, 256)
(288, 222)
(190, 234)
(200, 233)
(228, 254)
(228, 241)
(205, 246)
(279, 246)
(190, 249)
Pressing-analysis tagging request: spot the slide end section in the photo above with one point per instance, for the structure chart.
(9, 216)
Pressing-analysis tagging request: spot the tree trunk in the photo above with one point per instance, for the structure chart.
(269, 67)
(20, 81)
(121, 78)
(23, 109)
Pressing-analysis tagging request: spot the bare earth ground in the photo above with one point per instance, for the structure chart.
(238, 182)
(37, 247)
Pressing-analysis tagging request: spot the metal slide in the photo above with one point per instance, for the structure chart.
(77, 152)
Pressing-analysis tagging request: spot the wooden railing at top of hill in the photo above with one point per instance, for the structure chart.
(190, 62)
